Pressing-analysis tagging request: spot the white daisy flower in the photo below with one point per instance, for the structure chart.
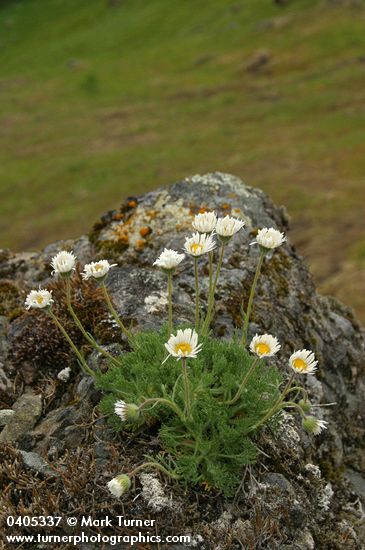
(64, 374)
(313, 425)
(269, 238)
(128, 412)
(184, 344)
(97, 270)
(205, 223)
(264, 345)
(169, 259)
(303, 361)
(39, 299)
(63, 263)
(199, 244)
(226, 227)
(119, 485)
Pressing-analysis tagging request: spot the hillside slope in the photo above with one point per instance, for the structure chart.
(100, 100)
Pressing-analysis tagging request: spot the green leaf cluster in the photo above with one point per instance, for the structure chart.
(214, 445)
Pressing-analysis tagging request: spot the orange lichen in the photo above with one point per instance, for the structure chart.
(144, 231)
(140, 244)
(132, 203)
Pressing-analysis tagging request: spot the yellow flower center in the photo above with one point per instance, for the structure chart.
(39, 299)
(299, 364)
(262, 348)
(184, 347)
(98, 267)
(196, 248)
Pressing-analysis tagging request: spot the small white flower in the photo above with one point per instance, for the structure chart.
(184, 344)
(205, 223)
(169, 259)
(128, 412)
(264, 345)
(119, 485)
(199, 244)
(226, 227)
(269, 238)
(313, 425)
(64, 374)
(63, 263)
(97, 270)
(303, 361)
(39, 299)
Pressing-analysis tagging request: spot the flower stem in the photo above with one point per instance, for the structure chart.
(115, 314)
(208, 317)
(196, 294)
(276, 408)
(278, 405)
(81, 359)
(210, 256)
(251, 297)
(186, 388)
(163, 401)
(243, 384)
(169, 292)
(78, 323)
(147, 465)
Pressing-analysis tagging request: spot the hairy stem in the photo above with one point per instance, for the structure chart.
(208, 318)
(196, 294)
(163, 401)
(186, 388)
(78, 323)
(210, 256)
(278, 405)
(243, 383)
(115, 314)
(169, 292)
(81, 359)
(153, 465)
(251, 297)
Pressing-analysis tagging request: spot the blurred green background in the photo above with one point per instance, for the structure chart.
(101, 99)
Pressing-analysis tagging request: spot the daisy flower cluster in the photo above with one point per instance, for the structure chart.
(206, 245)
(210, 237)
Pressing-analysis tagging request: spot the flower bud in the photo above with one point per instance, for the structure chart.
(128, 412)
(305, 405)
(119, 485)
(313, 426)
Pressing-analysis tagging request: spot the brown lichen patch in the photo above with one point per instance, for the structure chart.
(144, 231)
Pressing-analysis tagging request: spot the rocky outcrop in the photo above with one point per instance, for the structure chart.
(303, 493)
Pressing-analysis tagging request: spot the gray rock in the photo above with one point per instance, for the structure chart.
(5, 416)
(27, 410)
(35, 462)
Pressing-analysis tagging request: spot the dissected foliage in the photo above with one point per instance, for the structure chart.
(217, 442)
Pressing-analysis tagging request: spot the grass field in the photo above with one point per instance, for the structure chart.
(102, 99)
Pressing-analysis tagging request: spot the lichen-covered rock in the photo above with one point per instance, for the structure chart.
(302, 493)
(27, 410)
